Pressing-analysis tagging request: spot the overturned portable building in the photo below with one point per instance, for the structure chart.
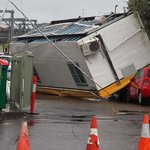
(109, 49)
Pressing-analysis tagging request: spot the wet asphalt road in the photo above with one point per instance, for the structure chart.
(64, 123)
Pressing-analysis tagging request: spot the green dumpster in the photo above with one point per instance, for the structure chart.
(3, 78)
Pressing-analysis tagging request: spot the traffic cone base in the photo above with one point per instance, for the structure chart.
(144, 144)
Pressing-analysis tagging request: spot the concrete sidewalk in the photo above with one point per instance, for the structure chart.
(11, 115)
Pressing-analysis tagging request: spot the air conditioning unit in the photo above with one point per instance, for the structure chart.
(91, 47)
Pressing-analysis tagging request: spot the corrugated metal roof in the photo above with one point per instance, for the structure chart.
(77, 26)
(72, 29)
(52, 39)
(68, 30)
(48, 30)
(63, 29)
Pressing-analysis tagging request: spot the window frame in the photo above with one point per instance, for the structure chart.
(77, 75)
(148, 73)
(139, 74)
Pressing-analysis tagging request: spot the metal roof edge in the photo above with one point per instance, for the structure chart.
(110, 22)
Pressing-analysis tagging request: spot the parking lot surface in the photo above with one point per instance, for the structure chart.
(63, 123)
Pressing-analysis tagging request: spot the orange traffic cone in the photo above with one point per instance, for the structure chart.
(93, 140)
(23, 141)
(144, 141)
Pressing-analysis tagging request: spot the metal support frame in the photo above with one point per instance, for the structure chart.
(21, 24)
(11, 23)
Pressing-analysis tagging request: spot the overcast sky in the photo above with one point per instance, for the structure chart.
(48, 10)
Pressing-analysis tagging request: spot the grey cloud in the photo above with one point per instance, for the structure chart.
(46, 10)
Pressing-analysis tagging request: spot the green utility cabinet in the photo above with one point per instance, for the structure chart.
(3, 78)
(21, 80)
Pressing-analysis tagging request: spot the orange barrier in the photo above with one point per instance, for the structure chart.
(144, 141)
(33, 94)
(23, 141)
(93, 140)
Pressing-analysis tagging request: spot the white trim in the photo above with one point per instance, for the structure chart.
(93, 131)
(34, 88)
(145, 131)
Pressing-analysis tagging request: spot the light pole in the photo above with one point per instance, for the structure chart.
(115, 9)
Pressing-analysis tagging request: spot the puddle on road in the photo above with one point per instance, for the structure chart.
(59, 119)
(129, 112)
(69, 119)
(81, 118)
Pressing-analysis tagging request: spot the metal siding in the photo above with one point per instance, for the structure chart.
(133, 52)
(130, 45)
(118, 32)
(122, 51)
(21, 80)
(52, 66)
(100, 70)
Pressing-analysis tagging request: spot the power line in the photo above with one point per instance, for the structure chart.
(3, 13)
(70, 60)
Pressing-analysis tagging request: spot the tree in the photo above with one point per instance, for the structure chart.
(143, 8)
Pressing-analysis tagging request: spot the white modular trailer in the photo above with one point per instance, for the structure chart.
(114, 52)
(109, 50)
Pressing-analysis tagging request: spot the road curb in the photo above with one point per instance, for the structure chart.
(11, 115)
